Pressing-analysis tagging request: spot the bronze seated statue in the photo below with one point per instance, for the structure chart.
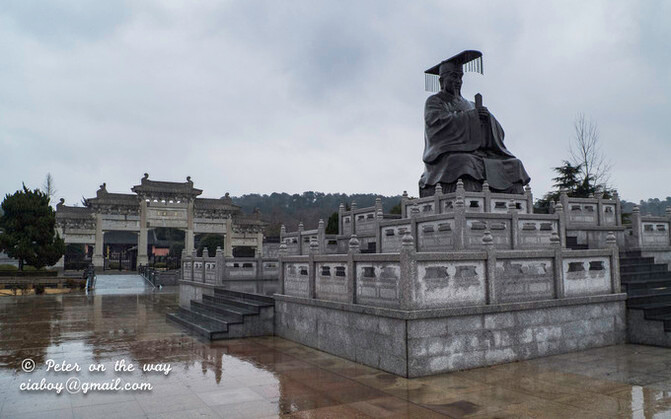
(462, 140)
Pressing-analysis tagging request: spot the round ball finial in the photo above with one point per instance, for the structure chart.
(354, 244)
(487, 238)
(407, 240)
(314, 245)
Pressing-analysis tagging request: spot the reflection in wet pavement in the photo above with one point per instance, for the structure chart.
(268, 377)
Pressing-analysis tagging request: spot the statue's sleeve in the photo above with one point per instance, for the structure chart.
(449, 131)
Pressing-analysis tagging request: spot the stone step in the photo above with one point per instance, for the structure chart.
(204, 318)
(657, 267)
(651, 297)
(227, 315)
(256, 300)
(214, 310)
(240, 302)
(637, 260)
(233, 306)
(626, 277)
(653, 309)
(647, 284)
(192, 325)
(634, 292)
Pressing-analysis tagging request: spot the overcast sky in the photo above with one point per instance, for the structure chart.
(261, 97)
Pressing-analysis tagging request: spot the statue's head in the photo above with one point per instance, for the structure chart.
(450, 77)
(447, 74)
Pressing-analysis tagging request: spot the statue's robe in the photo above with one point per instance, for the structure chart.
(460, 145)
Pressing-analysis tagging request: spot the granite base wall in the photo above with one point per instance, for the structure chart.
(456, 343)
(372, 340)
(416, 344)
(646, 332)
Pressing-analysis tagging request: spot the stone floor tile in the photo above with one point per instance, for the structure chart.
(173, 403)
(122, 410)
(230, 396)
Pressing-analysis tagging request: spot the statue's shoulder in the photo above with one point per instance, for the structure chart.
(435, 99)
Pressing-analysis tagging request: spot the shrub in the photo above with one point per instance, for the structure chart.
(39, 289)
(8, 267)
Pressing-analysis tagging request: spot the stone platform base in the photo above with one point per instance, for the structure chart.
(427, 342)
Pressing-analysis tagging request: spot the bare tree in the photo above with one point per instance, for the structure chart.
(49, 186)
(585, 150)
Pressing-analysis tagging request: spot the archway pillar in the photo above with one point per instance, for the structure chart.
(142, 258)
(98, 258)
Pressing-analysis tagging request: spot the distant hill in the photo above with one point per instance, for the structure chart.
(308, 207)
(653, 206)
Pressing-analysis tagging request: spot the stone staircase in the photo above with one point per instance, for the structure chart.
(648, 288)
(228, 314)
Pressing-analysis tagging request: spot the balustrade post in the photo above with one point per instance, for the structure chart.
(281, 255)
(561, 223)
(611, 243)
(530, 199)
(459, 217)
(408, 278)
(514, 224)
(204, 265)
(488, 197)
(558, 265)
(488, 242)
(636, 228)
(618, 209)
(219, 267)
(354, 248)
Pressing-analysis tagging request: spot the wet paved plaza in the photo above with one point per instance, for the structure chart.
(270, 377)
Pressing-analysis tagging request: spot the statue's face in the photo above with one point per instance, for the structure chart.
(451, 79)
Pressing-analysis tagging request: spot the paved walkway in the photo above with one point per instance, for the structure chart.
(270, 377)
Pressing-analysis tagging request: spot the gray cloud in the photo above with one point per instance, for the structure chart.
(265, 96)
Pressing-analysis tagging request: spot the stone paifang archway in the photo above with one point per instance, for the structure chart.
(157, 204)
